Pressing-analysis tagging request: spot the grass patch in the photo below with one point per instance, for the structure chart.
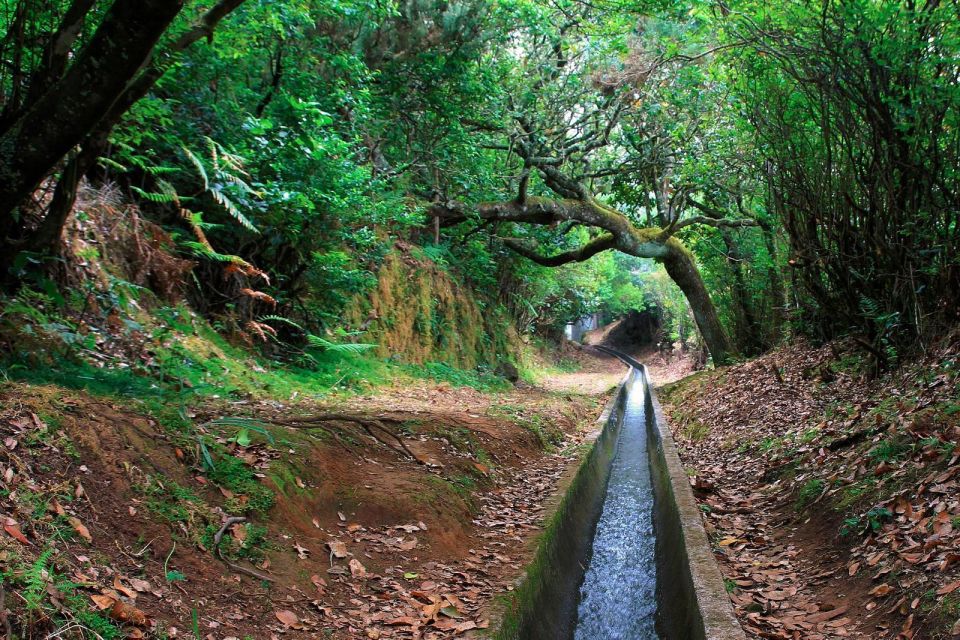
(547, 433)
(810, 491)
(480, 379)
(694, 430)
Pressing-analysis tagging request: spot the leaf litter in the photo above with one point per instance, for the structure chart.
(832, 499)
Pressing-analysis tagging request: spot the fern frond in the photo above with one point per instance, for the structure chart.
(225, 202)
(240, 184)
(195, 161)
(281, 320)
(161, 170)
(259, 295)
(233, 161)
(158, 198)
(203, 250)
(339, 348)
(213, 152)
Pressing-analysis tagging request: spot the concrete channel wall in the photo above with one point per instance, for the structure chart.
(544, 604)
(692, 601)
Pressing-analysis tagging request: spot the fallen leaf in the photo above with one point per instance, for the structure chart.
(288, 618)
(451, 612)
(337, 549)
(13, 530)
(123, 612)
(357, 570)
(80, 528)
(119, 586)
(948, 588)
(140, 585)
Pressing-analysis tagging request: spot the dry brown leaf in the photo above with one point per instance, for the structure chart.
(124, 589)
(948, 588)
(288, 618)
(79, 527)
(13, 530)
(123, 612)
(357, 570)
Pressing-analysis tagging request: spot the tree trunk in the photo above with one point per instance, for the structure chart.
(682, 268)
(777, 289)
(72, 107)
(749, 337)
(46, 239)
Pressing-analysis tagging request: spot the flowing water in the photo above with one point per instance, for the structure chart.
(618, 594)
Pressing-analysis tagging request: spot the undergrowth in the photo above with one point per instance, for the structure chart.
(49, 600)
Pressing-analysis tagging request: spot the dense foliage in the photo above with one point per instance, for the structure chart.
(806, 154)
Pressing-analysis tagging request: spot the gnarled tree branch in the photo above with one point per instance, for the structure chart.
(716, 222)
(580, 254)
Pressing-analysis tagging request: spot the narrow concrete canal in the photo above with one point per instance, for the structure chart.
(618, 594)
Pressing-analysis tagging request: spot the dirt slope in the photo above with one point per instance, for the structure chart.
(833, 501)
(112, 521)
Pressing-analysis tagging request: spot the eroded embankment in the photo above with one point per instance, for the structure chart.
(111, 516)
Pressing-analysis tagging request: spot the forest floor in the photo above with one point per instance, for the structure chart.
(832, 497)
(401, 514)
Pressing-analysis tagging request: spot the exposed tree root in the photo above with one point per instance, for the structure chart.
(372, 425)
(236, 567)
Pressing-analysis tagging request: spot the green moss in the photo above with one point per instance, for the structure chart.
(171, 501)
(694, 430)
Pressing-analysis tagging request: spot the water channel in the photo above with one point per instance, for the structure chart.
(618, 594)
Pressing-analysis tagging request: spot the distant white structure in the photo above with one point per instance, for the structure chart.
(575, 330)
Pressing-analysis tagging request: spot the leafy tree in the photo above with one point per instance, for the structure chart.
(64, 91)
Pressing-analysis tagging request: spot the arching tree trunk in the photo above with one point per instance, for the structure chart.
(682, 268)
(621, 235)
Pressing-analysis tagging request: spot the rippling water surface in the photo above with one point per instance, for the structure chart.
(618, 596)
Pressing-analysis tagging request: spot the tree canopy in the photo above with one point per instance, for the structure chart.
(790, 165)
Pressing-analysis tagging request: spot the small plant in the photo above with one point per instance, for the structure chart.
(769, 444)
(889, 450)
(872, 521)
(810, 491)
